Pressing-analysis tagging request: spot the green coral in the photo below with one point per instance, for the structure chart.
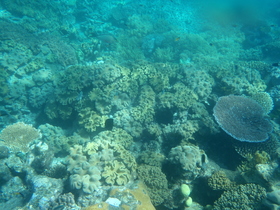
(156, 183)
(219, 181)
(248, 196)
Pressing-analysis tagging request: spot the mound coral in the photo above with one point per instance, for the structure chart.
(242, 118)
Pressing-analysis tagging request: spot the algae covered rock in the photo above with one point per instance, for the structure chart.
(190, 159)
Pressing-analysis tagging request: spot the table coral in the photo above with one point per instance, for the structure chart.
(19, 135)
(242, 118)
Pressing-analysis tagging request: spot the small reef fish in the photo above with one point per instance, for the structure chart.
(107, 38)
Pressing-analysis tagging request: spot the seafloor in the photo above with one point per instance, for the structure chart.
(139, 105)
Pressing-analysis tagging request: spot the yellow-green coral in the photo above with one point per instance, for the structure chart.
(56, 110)
(116, 173)
(91, 120)
(178, 96)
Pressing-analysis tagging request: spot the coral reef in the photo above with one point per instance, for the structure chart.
(246, 149)
(109, 83)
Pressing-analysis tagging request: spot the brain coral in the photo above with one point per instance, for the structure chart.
(248, 196)
(19, 135)
(242, 118)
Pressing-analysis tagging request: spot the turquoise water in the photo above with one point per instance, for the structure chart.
(114, 104)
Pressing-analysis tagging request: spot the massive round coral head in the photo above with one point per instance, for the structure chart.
(242, 118)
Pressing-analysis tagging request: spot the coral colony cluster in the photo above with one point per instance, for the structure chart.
(139, 105)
